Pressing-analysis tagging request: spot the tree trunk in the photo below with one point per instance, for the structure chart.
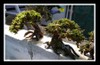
(56, 42)
(37, 31)
(28, 26)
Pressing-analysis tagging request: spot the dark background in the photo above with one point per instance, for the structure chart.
(84, 16)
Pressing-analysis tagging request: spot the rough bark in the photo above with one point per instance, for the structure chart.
(37, 31)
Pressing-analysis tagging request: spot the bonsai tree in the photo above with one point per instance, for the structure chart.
(60, 29)
(29, 19)
(88, 46)
(45, 11)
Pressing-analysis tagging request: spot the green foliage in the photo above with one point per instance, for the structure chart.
(85, 47)
(66, 28)
(91, 36)
(76, 35)
(88, 46)
(24, 17)
(61, 27)
(44, 10)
